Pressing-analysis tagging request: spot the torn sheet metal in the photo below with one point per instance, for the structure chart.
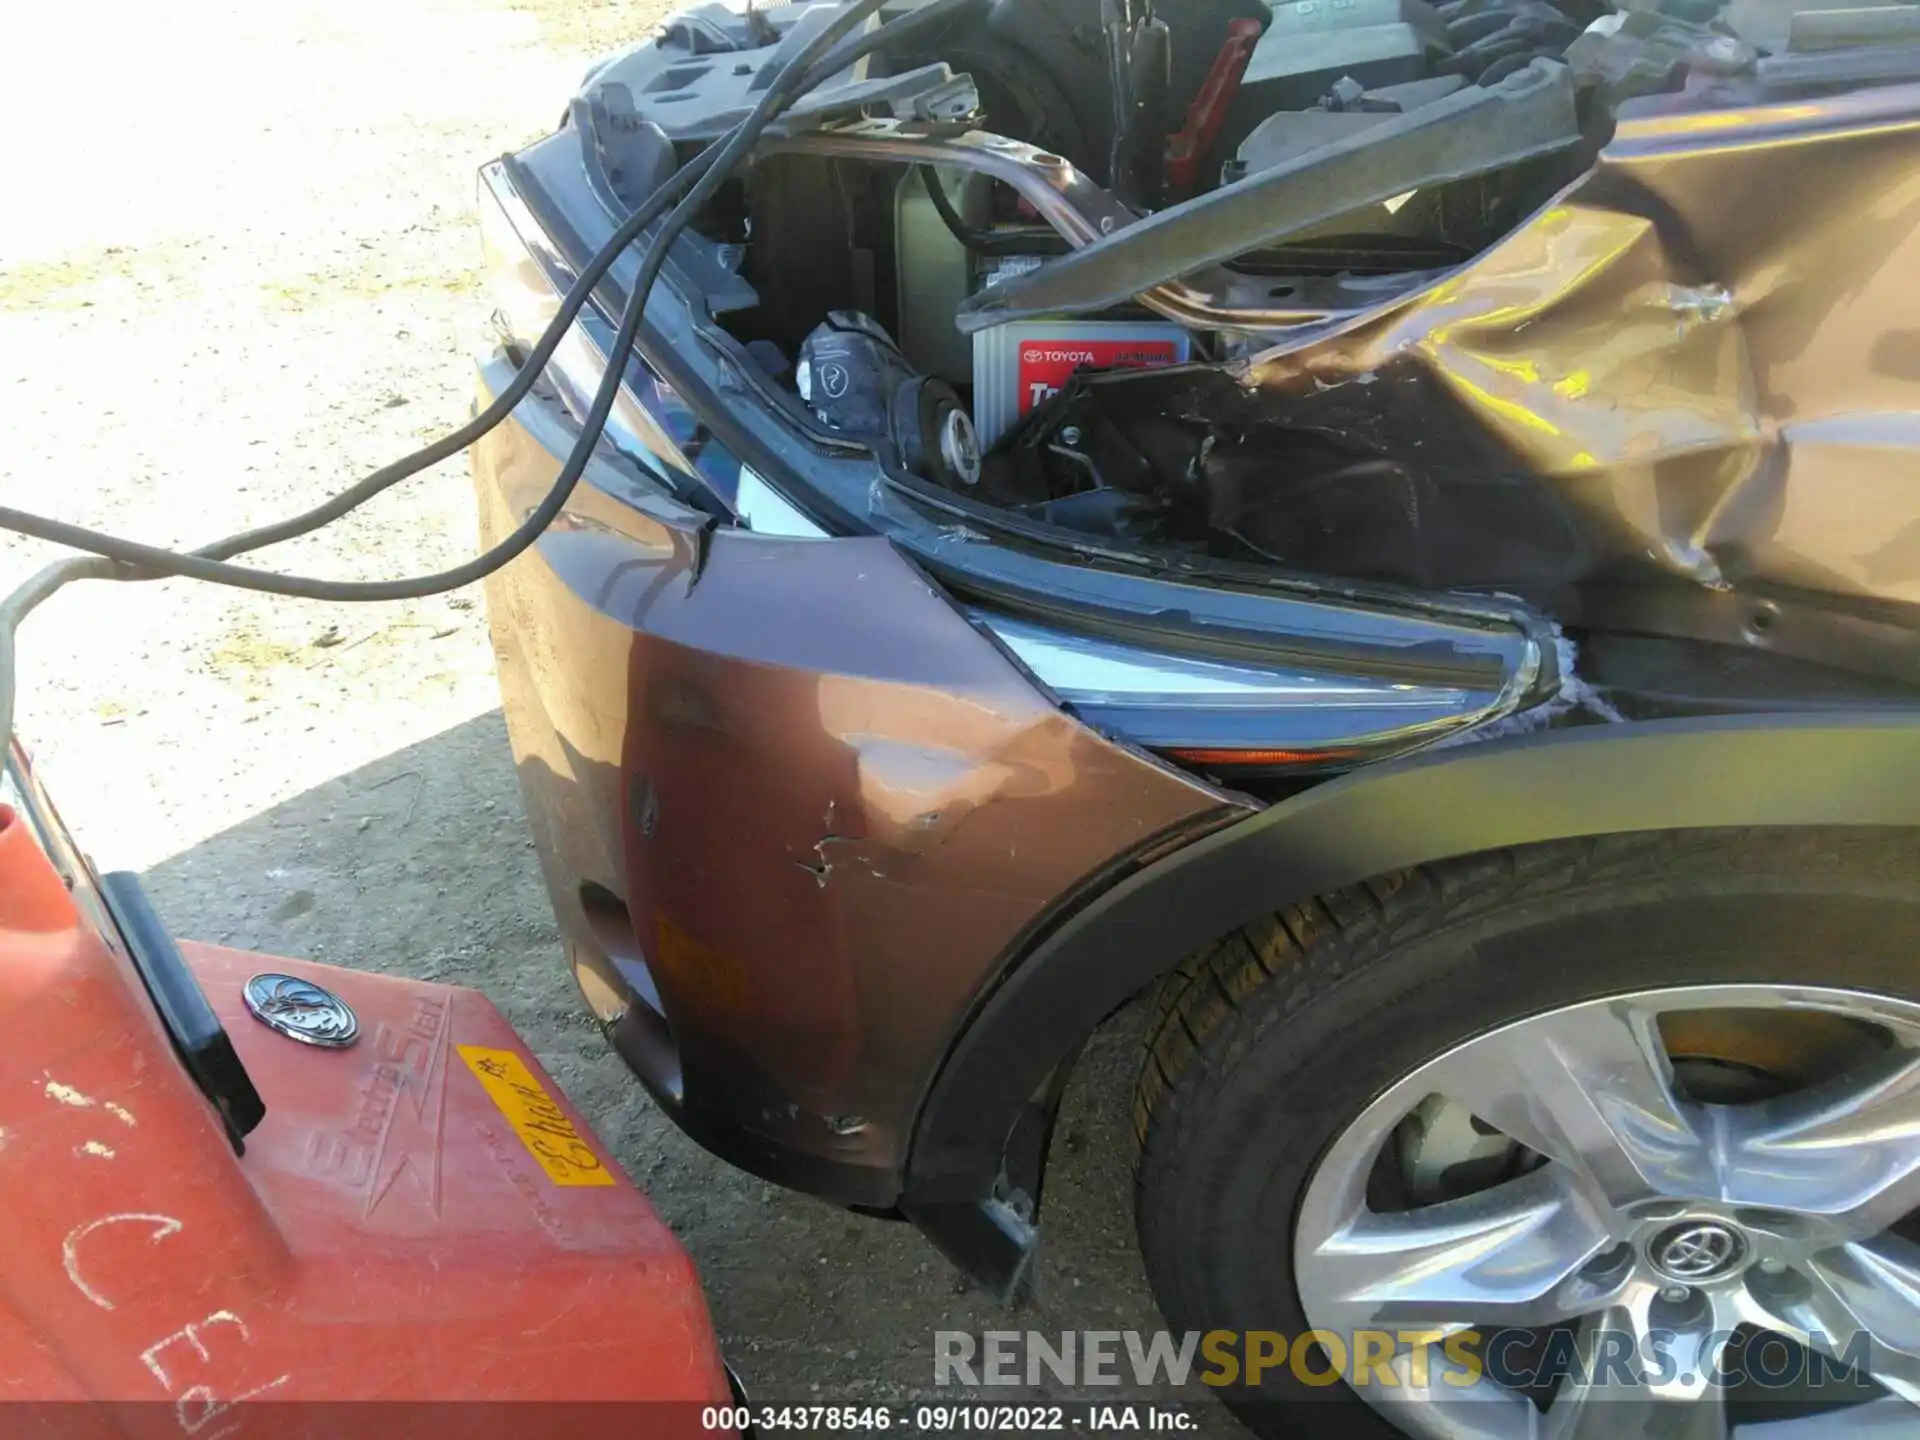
(1708, 350)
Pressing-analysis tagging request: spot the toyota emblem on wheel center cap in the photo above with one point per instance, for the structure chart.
(1696, 1250)
(301, 1010)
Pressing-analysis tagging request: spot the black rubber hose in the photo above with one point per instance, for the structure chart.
(849, 52)
(1037, 240)
(824, 56)
(17, 606)
(516, 390)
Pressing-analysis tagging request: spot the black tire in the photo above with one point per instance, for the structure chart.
(1265, 1045)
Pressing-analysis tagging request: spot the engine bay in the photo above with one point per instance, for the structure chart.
(1369, 289)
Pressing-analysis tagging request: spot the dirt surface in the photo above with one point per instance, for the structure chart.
(240, 271)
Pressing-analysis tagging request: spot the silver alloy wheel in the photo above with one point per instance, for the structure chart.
(1651, 1215)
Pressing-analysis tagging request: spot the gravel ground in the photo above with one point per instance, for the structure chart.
(248, 279)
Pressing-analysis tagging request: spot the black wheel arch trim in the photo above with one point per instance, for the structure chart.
(1833, 769)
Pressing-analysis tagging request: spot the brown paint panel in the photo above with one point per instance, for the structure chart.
(1709, 347)
(830, 804)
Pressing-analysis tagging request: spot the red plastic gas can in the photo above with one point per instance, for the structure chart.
(422, 1237)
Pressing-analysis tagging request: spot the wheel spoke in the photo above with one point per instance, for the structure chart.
(1655, 1235)
(1592, 1089)
(1617, 1392)
(1848, 1151)
(1600, 1414)
(1863, 1291)
(1433, 1396)
(1509, 1255)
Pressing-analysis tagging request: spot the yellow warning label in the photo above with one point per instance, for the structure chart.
(542, 1125)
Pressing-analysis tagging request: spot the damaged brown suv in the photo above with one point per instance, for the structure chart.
(1391, 527)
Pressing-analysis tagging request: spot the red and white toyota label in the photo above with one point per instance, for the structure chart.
(1046, 365)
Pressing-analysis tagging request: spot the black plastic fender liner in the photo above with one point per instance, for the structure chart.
(1835, 769)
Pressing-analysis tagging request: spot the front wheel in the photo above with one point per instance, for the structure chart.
(1595, 1139)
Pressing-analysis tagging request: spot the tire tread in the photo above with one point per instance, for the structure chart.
(1203, 995)
(1255, 993)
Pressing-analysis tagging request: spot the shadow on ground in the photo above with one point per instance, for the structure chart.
(418, 865)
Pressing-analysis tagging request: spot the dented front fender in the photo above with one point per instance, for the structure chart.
(1707, 349)
(793, 808)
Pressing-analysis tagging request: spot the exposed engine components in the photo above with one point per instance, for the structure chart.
(1312, 43)
(1346, 110)
(1482, 129)
(1493, 38)
(942, 259)
(1065, 62)
(1199, 464)
(933, 267)
(708, 68)
(1146, 185)
(1018, 368)
(1189, 148)
(1643, 51)
(1140, 80)
(854, 378)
